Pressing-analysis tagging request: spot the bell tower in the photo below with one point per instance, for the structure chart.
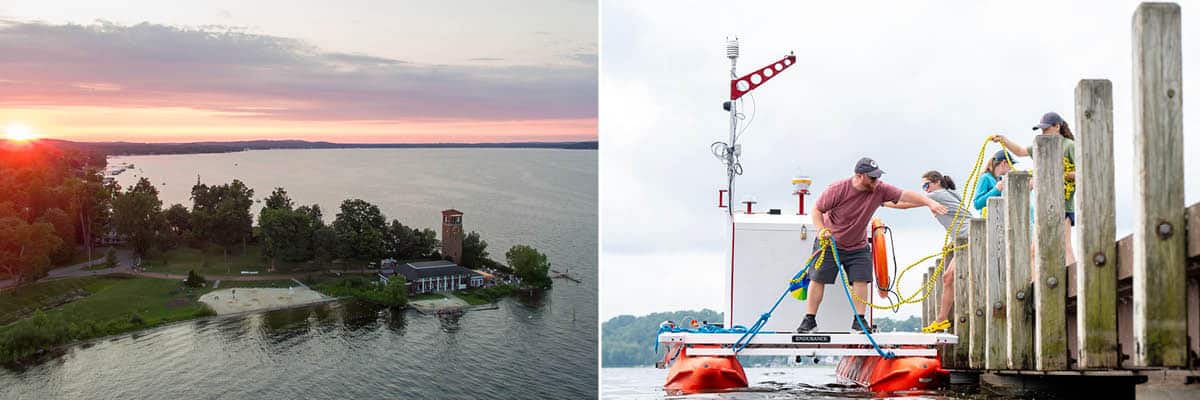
(452, 235)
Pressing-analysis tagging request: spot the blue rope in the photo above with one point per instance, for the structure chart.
(857, 317)
(706, 328)
(743, 341)
(748, 334)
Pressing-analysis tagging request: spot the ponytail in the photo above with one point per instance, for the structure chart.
(943, 180)
(1065, 131)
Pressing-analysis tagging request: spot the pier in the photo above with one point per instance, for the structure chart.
(1126, 316)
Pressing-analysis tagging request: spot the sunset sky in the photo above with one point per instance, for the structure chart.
(345, 71)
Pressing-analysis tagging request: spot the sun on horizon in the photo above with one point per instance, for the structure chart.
(19, 132)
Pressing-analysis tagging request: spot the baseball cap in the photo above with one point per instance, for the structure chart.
(1048, 119)
(868, 166)
(1004, 156)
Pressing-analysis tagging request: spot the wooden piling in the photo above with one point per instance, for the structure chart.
(1050, 288)
(936, 297)
(1095, 226)
(1159, 275)
(925, 303)
(976, 266)
(1018, 293)
(996, 353)
(962, 309)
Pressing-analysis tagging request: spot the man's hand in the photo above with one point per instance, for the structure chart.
(824, 234)
(937, 209)
(1000, 185)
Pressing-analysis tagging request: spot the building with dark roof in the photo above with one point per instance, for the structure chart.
(438, 276)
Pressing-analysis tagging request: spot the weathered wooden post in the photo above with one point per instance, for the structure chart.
(996, 355)
(976, 264)
(1050, 270)
(925, 318)
(962, 310)
(1095, 226)
(1018, 293)
(1159, 259)
(936, 298)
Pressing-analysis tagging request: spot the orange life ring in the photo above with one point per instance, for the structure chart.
(879, 255)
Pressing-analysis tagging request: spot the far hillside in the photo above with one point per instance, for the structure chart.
(628, 341)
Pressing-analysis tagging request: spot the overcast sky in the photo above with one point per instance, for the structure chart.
(915, 85)
(349, 71)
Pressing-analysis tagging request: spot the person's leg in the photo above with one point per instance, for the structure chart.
(861, 289)
(1070, 251)
(816, 292)
(947, 292)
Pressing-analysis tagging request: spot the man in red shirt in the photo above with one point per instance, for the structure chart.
(844, 210)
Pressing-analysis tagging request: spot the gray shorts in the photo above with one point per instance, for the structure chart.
(858, 265)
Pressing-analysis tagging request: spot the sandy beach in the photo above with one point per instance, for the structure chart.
(230, 301)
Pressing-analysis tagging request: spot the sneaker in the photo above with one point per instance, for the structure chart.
(807, 325)
(854, 325)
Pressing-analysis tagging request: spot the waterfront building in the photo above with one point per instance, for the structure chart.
(438, 276)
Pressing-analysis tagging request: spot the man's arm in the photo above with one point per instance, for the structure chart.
(818, 219)
(901, 205)
(909, 196)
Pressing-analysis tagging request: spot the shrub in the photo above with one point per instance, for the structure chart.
(194, 279)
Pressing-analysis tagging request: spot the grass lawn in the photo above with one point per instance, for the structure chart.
(115, 305)
(480, 296)
(21, 302)
(182, 259)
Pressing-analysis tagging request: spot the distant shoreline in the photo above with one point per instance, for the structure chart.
(134, 149)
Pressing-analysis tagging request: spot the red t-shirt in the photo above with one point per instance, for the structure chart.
(848, 211)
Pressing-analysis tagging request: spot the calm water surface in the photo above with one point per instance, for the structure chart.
(528, 348)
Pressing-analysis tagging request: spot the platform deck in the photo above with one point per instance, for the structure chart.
(809, 344)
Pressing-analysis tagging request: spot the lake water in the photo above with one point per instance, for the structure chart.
(528, 348)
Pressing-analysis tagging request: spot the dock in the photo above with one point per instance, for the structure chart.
(563, 275)
(1127, 313)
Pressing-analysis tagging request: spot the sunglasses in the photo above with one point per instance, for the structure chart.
(925, 186)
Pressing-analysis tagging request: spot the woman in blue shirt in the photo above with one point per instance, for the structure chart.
(991, 182)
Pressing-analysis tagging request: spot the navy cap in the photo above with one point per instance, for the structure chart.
(868, 166)
(1048, 119)
(1004, 156)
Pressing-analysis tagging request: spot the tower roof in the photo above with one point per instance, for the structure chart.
(451, 212)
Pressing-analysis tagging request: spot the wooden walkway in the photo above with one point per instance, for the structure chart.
(1127, 308)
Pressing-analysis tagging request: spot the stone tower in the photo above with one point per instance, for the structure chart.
(452, 235)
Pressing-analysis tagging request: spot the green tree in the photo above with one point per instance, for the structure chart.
(221, 214)
(427, 243)
(137, 215)
(178, 219)
(324, 244)
(474, 251)
(395, 293)
(530, 265)
(361, 231)
(278, 200)
(64, 227)
(194, 279)
(287, 234)
(25, 248)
